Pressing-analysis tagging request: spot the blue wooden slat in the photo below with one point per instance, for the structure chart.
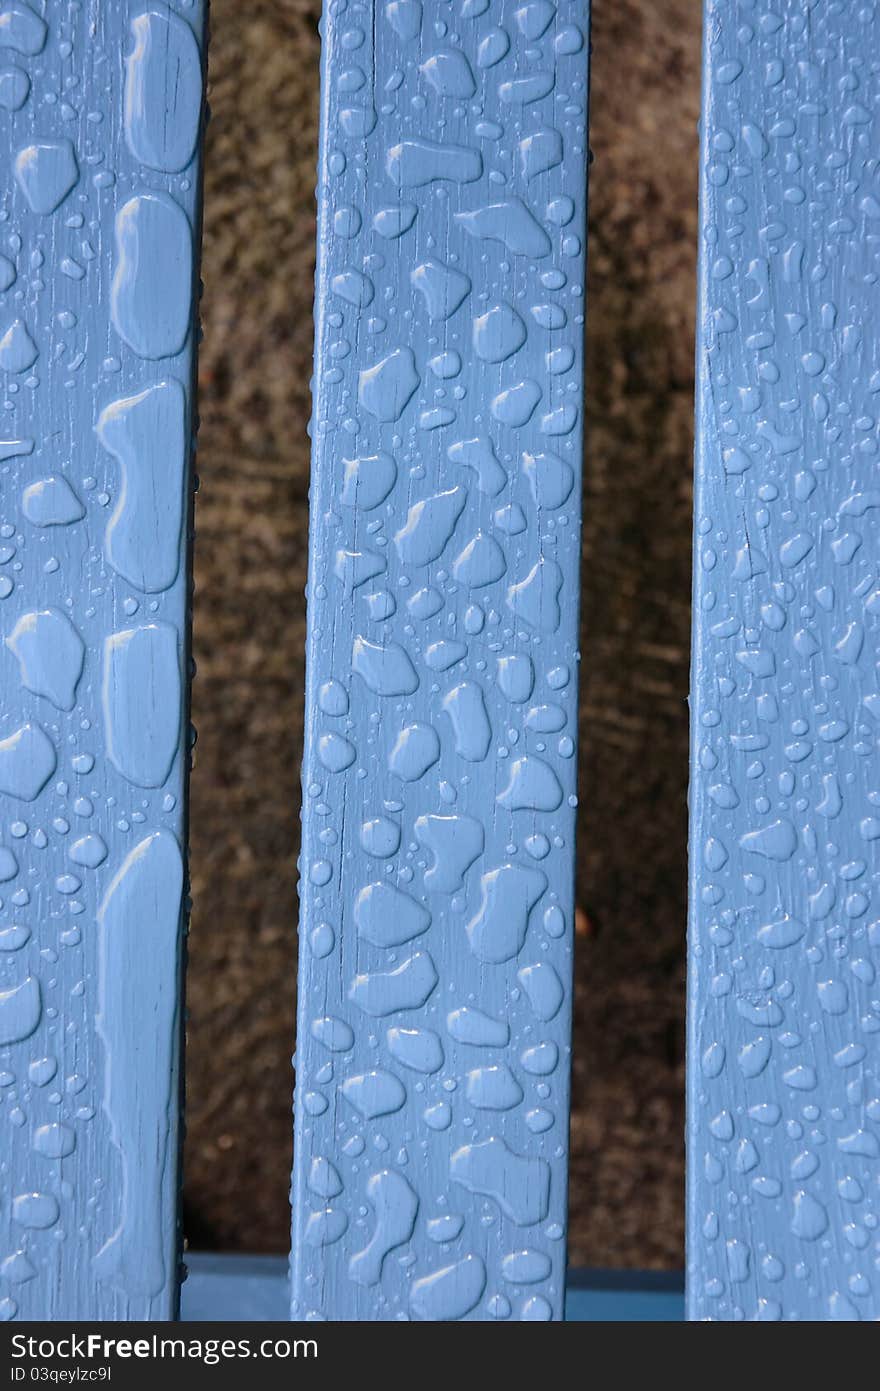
(100, 113)
(439, 779)
(228, 1289)
(784, 1102)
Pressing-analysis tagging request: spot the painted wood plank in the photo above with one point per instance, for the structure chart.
(101, 118)
(439, 779)
(784, 1093)
(229, 1289)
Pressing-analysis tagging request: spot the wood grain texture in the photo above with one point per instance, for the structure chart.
(102, 118)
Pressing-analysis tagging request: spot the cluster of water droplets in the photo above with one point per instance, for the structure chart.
(439, 783)
(96, 363)
(784, 1114)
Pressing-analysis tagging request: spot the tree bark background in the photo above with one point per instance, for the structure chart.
(627, 1166)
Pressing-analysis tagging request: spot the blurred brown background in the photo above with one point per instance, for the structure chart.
(627, 1120)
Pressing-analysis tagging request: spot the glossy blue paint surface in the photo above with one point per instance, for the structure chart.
(100, 115)
(439, 782)
(229, 1289)
(784, 1091)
